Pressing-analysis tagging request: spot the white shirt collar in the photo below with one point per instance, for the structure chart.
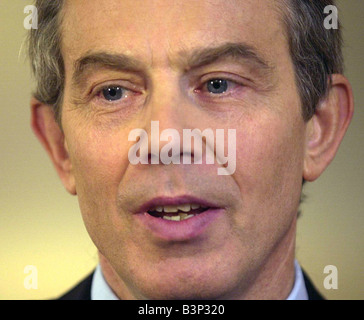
(100, 290)
(299, 291)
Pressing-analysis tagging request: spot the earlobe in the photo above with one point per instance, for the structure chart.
(51, 137)
(327, 127)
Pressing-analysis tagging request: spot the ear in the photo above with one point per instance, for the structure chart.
(52, 138)
(327, 127)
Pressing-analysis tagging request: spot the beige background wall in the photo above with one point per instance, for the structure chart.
(40, 223)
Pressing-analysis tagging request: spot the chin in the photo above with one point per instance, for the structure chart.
(185, 291)
(187, 285)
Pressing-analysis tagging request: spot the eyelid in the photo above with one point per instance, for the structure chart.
(94, 94)
(101, 89)
(230, 82)
(233, 80)
(113, 83)
(129, 89)
(223, 76)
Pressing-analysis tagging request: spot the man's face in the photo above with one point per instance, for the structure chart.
(164, 71)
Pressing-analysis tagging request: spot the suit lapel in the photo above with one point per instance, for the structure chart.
(312, 292)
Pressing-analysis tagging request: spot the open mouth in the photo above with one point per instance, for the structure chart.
(177, 212)
(178, 218)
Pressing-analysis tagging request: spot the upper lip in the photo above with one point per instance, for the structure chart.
(175, 201)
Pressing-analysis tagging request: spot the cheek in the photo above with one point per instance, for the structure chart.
(99, 162)
(270, 162)
(99, 155)
(269, 175)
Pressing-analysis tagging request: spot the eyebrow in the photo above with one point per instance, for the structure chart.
(119, 61)
(207, 55)
(187, 59)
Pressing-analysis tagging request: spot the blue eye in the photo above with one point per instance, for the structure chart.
(113, 93)
(217, 86)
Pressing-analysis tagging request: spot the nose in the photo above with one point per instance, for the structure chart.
(169, 117)
(169, 102)
(169, 110)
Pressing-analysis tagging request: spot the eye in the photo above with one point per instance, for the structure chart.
(114, 93)
(213, 88)
(217, 86)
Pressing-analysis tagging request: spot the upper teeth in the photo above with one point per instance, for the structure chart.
(182, 207)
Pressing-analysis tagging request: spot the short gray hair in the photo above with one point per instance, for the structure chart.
(44, 52)
(315, 51)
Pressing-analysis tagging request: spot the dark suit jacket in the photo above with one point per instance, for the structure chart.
(82, 291)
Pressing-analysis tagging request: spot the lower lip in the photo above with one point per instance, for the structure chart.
(187, 229)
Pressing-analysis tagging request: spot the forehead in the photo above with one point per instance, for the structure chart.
(151, 30)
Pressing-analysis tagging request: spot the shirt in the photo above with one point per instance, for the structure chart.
(100, 290)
